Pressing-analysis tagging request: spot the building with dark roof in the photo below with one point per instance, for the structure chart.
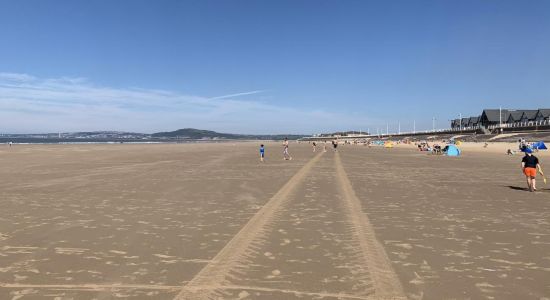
(514, 116)
(455, 123)
(506, 117)
(543, 115)
(473, 121)
(528, 115)
(493, 116)
(464, 122)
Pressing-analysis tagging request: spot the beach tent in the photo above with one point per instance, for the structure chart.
(539, 145)
(452, 150)
(388, 144)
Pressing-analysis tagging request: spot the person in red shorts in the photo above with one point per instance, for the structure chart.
(530, 165)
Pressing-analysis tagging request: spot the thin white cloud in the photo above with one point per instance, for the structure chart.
(16, 77)
(31, 104)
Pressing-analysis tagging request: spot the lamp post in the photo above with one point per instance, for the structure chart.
(500, 120)
(500, 116)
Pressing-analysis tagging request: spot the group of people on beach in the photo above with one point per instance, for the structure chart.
(530, 164)
(286, 153)
(334, 145)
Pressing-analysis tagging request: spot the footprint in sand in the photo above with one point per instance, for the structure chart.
(4, 236)
(274, 273)
(243, 294)
(285, 242)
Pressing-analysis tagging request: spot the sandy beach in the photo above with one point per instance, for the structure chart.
(209, 221)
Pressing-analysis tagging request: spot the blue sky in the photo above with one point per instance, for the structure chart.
(267, 67)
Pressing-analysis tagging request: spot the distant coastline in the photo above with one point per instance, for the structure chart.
(186, 135)
(39, 141)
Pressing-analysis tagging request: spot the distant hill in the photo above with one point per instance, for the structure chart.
(192, 133)
(197, 134)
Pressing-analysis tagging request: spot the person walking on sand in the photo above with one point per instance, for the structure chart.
(262, 152)
(314, 146)
(335, 144)
(530, 165)
(325, 147)
(286, 155)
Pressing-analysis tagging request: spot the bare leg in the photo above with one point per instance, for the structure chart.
(534, 184)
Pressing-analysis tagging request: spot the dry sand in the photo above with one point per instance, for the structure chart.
(209, 221)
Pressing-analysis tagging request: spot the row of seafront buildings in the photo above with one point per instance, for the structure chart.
(491, 119)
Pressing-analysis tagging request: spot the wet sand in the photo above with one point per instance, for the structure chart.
(209, 221)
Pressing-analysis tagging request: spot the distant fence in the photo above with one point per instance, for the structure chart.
(508, 127)
(529, 124)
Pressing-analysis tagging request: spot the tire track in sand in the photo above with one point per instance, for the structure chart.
(214, 274)
(385, 281)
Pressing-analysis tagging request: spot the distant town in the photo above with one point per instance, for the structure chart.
(81, 135)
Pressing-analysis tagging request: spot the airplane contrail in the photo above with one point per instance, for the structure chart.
(236, 95)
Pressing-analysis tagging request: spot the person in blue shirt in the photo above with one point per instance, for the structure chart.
(262, 152)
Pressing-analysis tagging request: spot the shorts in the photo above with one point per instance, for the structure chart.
(530, 172)
(261, 154)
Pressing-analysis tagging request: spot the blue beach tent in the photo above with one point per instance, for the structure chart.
(539, 145)
(452, 150)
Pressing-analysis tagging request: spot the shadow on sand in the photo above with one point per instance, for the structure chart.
(518, 188)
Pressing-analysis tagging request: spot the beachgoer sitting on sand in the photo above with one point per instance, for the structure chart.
(510, 152)
(522, 147)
